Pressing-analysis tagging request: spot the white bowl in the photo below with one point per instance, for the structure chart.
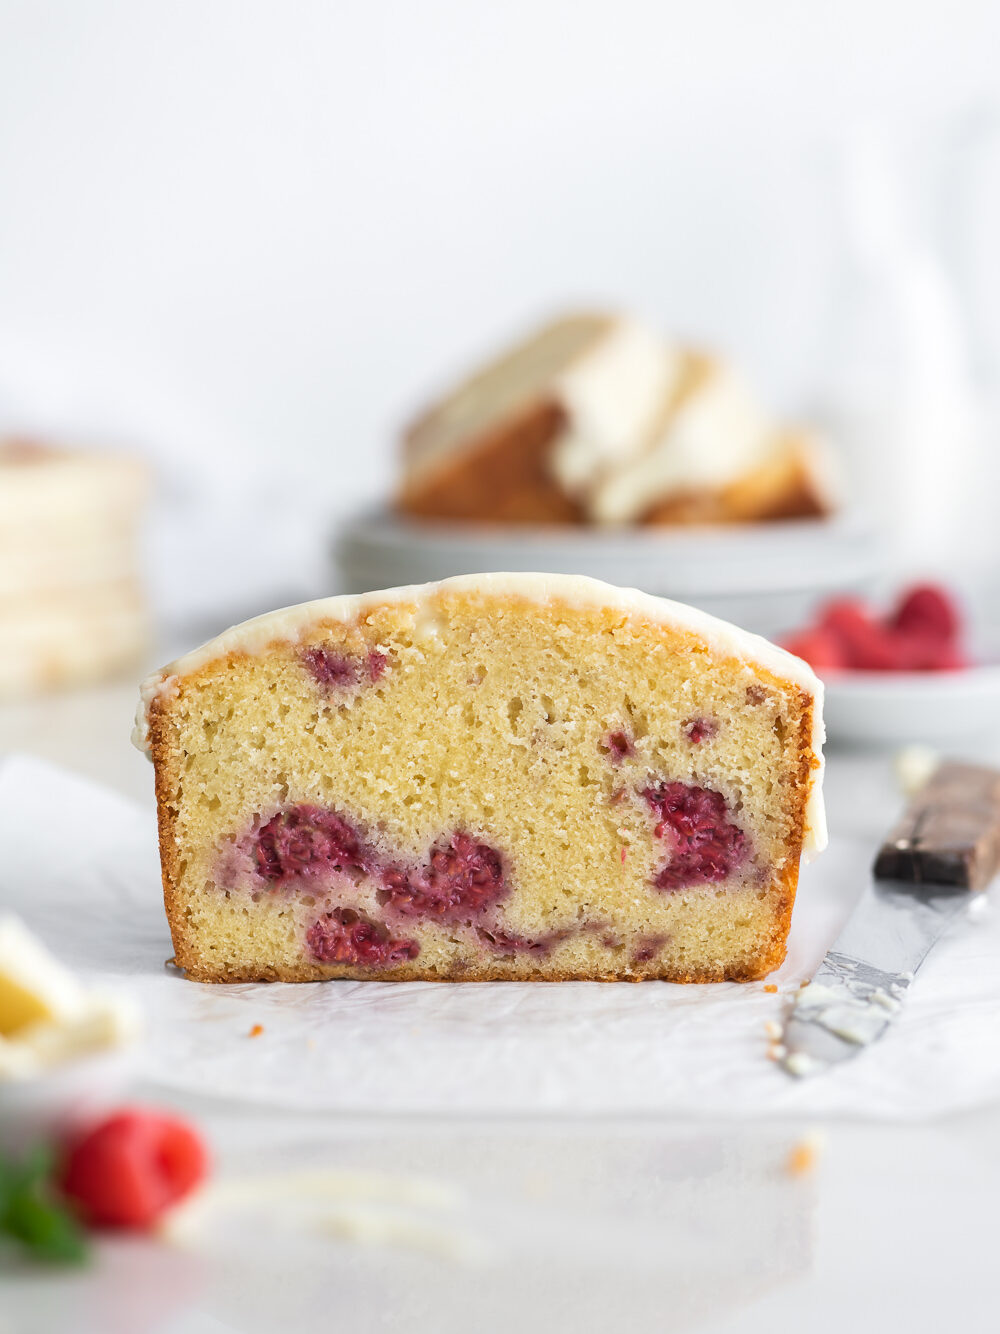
(897, 708)
(765, 577)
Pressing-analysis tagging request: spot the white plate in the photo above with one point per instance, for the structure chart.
(766, 578)
(898, 708)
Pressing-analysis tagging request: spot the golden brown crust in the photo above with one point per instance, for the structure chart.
(503, 477)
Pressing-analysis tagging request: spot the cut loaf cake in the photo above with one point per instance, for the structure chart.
(497, 776)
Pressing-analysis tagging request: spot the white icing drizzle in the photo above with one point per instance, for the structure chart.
(290, 623)
(716, 435)
(612, 398)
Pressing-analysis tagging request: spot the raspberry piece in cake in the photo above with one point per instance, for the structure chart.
(462, 879)
(307, 841)
(698, 730)
(484, 811)
(330, 669)
(343, 936)
(704, 844)
(619, 746)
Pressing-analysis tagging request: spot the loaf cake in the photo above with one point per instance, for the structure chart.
(596, 419)
(498, 776)
(72, 608)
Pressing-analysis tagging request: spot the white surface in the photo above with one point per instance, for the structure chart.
(591, 1225)
(253, 239)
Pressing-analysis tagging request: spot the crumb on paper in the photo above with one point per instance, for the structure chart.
(771, 988)
(804, 1156)
(801, 1064)
(777, 1051)
(773, 1030)
(256, 1031)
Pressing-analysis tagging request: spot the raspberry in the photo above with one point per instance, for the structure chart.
(505, 942)
(129, 1169)
(704, 845)
(460, 880)
(928, 612)
(343, 936)
(619, 746)
(330, 669)
(648, 947)
(818, 647)
(377, 664)
(864, 642)
(700, 729)
(308, 841)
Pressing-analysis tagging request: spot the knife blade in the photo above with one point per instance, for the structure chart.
(859, 987)
(944, 849)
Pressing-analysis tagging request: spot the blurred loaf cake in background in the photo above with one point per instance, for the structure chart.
(596, 419)
(72, 608)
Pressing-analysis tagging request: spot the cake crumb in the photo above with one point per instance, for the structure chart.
(770, 988)
(772, 1030)
(805, 1155)
(256, 1031)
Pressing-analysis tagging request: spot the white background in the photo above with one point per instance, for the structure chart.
(251, 237)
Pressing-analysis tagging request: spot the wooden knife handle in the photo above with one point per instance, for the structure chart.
(949, 834)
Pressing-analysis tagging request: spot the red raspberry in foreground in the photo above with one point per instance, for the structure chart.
(704, 844)
(129, 1170)
(461, 880)
(308, 841)
(343, 936)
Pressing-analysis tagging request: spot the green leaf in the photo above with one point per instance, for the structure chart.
(30, 1213)
(45, 1228)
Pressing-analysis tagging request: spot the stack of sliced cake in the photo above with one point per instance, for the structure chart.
(596, 419)
(71, 603)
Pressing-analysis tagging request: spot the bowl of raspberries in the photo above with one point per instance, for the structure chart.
(900, 674)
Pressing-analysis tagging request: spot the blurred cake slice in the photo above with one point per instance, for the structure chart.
(523, 440)
(72, 607)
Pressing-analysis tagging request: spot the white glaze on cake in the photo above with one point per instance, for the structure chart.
(289, 624)
(718, 434)
(612, 398)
